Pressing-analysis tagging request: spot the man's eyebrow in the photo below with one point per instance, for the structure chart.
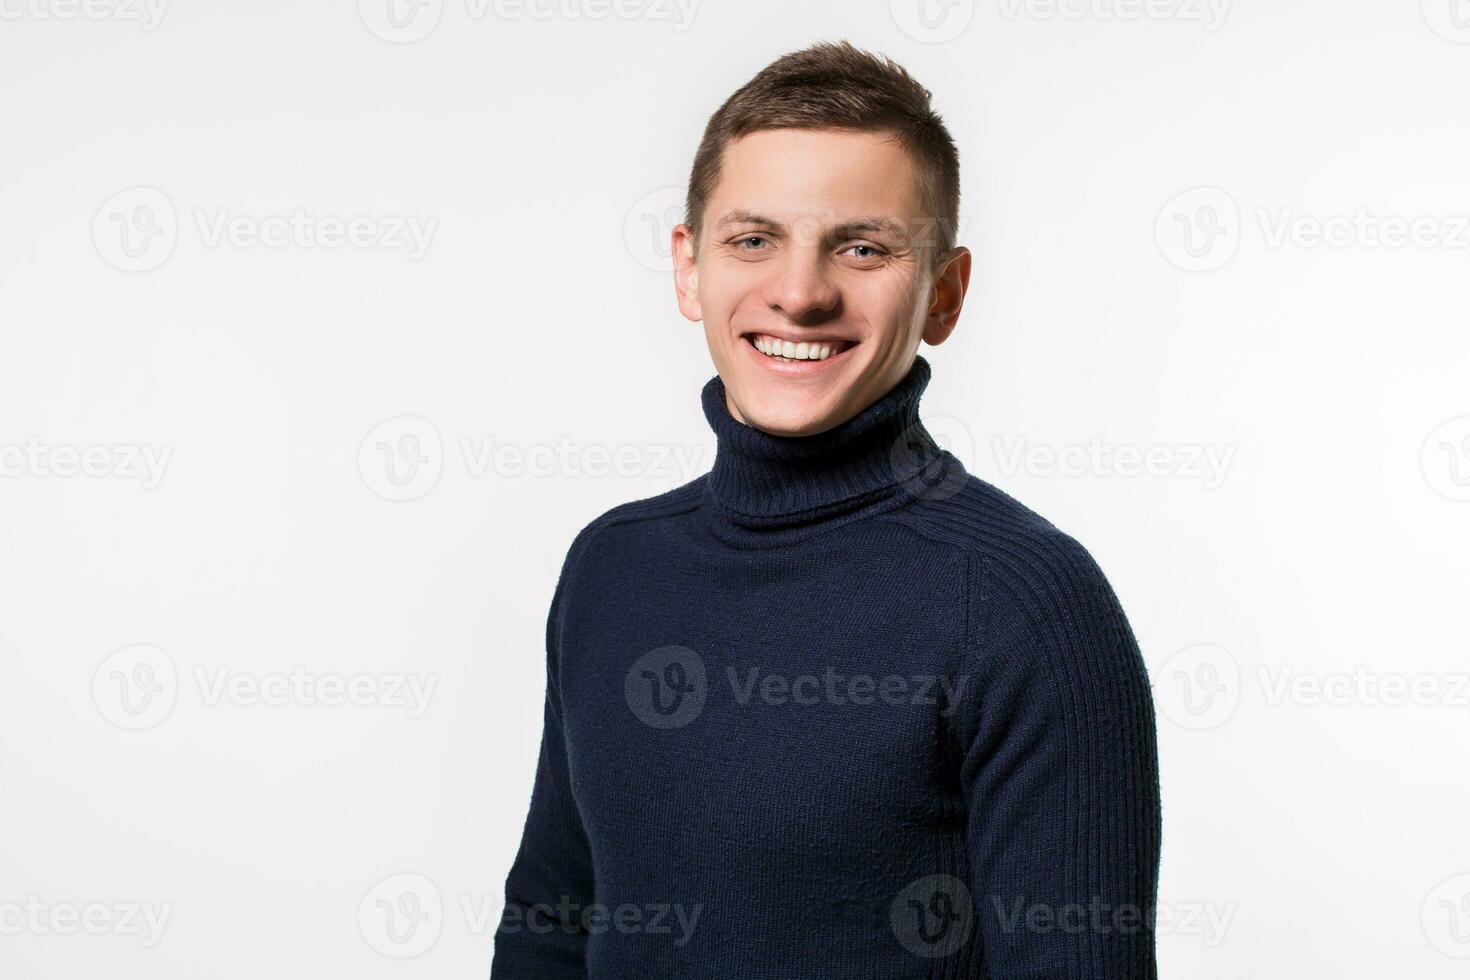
(741, 216)
(887, 225)
(846, 229)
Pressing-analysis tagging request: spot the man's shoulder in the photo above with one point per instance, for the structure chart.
(1027, 577)
(1004, 538)
(979, 517)
(669, 504)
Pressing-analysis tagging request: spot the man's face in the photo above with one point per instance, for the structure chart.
(815, 246)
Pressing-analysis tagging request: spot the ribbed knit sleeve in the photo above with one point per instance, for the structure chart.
(1059, 770)
(550, 883)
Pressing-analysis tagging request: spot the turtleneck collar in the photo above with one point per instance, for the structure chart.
(760, 480)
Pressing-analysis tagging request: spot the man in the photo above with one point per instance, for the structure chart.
(837, 708)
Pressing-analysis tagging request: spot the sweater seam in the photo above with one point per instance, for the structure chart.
(581, 544)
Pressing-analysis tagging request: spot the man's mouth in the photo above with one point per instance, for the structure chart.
(780, 349)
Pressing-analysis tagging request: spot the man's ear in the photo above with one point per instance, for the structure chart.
(686, 273)
(948, 298)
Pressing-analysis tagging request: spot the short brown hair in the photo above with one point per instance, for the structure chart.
(835, 85)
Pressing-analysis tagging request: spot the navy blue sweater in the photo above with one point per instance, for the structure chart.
(837, 708)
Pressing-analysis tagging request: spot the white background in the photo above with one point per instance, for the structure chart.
(545, 156)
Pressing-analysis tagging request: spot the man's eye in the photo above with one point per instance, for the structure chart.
(742, 242)
(872, 251)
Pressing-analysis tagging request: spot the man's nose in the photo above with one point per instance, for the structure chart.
(802, 288)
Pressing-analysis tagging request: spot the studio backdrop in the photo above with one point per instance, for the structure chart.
(325, 327)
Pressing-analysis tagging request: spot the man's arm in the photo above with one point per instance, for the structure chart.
(541, 935)
(1060, 773)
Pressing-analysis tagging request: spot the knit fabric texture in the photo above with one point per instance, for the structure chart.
(836, 709)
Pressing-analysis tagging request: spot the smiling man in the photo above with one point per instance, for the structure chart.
(837, 708)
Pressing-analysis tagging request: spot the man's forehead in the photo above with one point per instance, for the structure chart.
(814, 138)
(783, 173)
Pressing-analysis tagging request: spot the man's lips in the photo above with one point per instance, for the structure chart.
(792, 349)
(808, 356)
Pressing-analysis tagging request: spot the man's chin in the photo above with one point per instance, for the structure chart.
(793, 401)
(788, 412)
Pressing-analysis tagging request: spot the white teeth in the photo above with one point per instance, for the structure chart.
(790, 350)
